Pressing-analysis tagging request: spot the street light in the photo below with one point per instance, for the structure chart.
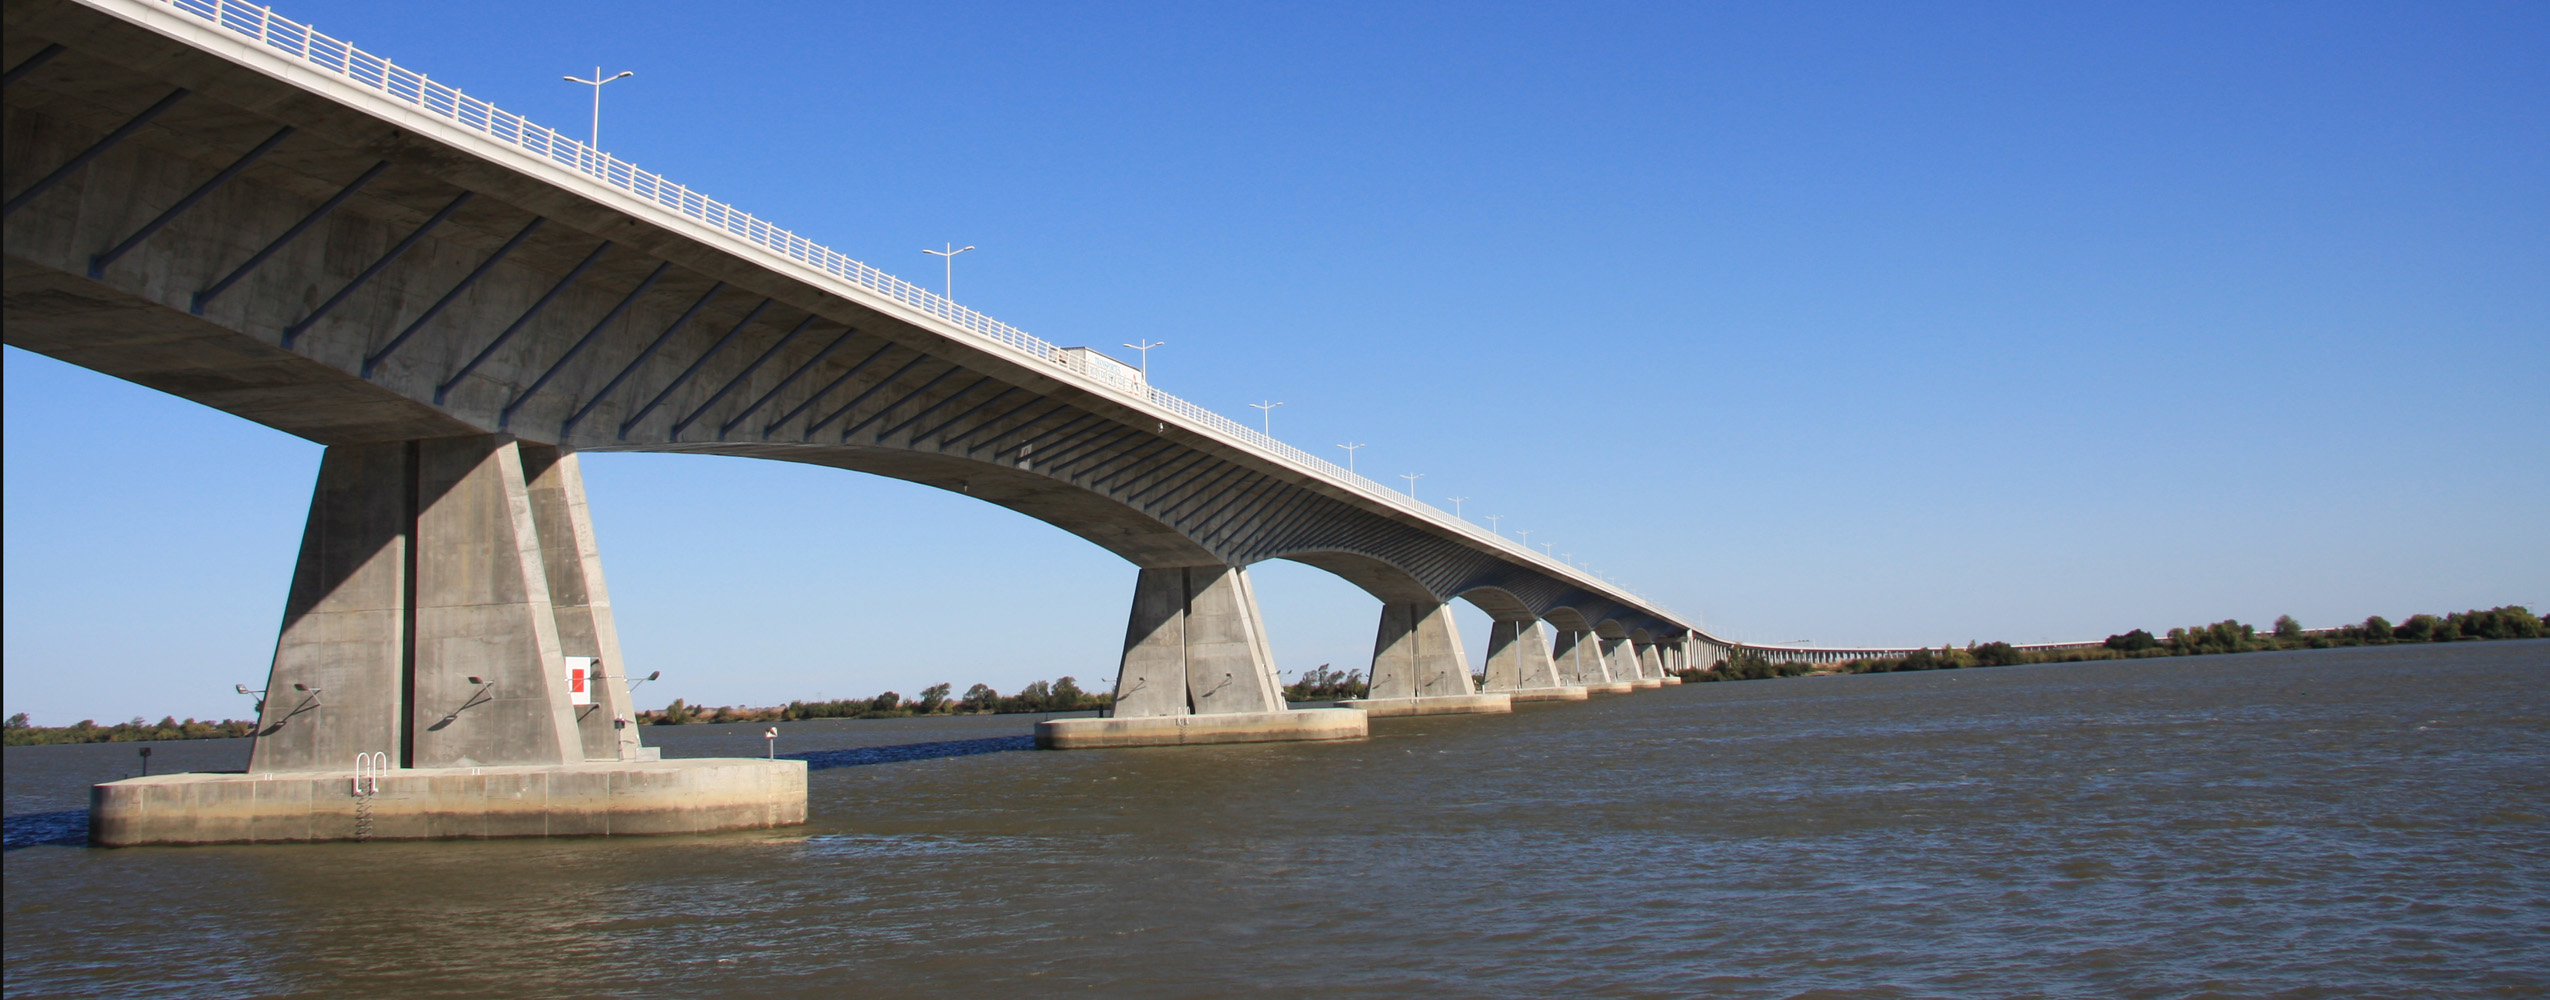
(1412, 478)
(949, 253)
(1456, 506)
(596, 83)
(1145, 347)
(1491, 520)
(1266, 417)
(1526, 536)
(1350, 457)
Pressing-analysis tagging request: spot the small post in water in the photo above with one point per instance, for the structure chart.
(773, 736)
(146, 762)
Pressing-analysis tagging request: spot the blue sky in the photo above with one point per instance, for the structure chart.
(1853, 323)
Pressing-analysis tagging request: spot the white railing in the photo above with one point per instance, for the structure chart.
(342, 59)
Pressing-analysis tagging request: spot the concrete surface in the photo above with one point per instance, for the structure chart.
(1416, 653)
(1451, 704)
(1195, 644)
(585, 799)
(1184, 730)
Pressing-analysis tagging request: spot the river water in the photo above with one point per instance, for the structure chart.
(2341, 823)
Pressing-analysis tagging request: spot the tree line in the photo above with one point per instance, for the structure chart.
(2513, 621)
(17, 732)
(1060, 695)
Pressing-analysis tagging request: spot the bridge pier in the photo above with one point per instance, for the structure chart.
(1196, 669)
(1580, 658)
(1621, 657)
(1519, 665)
(448, 633)
(1419, 668)
(1650, 660)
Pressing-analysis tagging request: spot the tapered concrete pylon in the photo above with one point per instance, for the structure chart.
(1580, 658)
(1196, 669)
(421, 688)
(335, 687)
(607, 727)
(1195, 645)
(1621, 655)
(1419, 668)
(1417, 653)
(1518, 664)
(419, 624)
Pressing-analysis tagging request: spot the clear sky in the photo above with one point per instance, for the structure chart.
(1862, 324)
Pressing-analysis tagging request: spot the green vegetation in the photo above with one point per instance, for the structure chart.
(2512, 621)
(19, 733)
(1061, 695)
(1321, 683)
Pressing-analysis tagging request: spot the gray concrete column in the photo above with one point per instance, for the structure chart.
(1519, 657)
(1621, 660)
(1651, 661)
(1417, 653)
(335, 687)
(1579, 657)
(422, 567)
(1195, 644)
(482, 610)
(607, 727)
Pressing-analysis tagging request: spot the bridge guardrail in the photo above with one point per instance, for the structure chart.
(337, 56)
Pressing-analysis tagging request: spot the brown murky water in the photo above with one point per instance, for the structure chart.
(2332, 824)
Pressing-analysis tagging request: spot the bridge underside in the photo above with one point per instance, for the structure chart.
(353, 278)
(185, 215)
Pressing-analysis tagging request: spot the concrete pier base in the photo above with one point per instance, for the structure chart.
(1647, 683)
(1609, 687)
(1190, 730)
(1569, 692)
(1449, 704)
(1671, 681)
(591, 799)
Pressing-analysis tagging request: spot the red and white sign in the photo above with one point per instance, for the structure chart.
(579, 680)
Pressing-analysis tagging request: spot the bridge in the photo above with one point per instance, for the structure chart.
(215, 201)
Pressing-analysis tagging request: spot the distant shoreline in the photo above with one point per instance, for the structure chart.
(2512, 621)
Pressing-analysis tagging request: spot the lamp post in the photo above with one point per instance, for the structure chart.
(1350, 457)
(1266, 417)
(1145, 347)
(1526, 536)
(1491, 520)
(1456, 506)
(1412, 478)
(950, 255)
(596, 83)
